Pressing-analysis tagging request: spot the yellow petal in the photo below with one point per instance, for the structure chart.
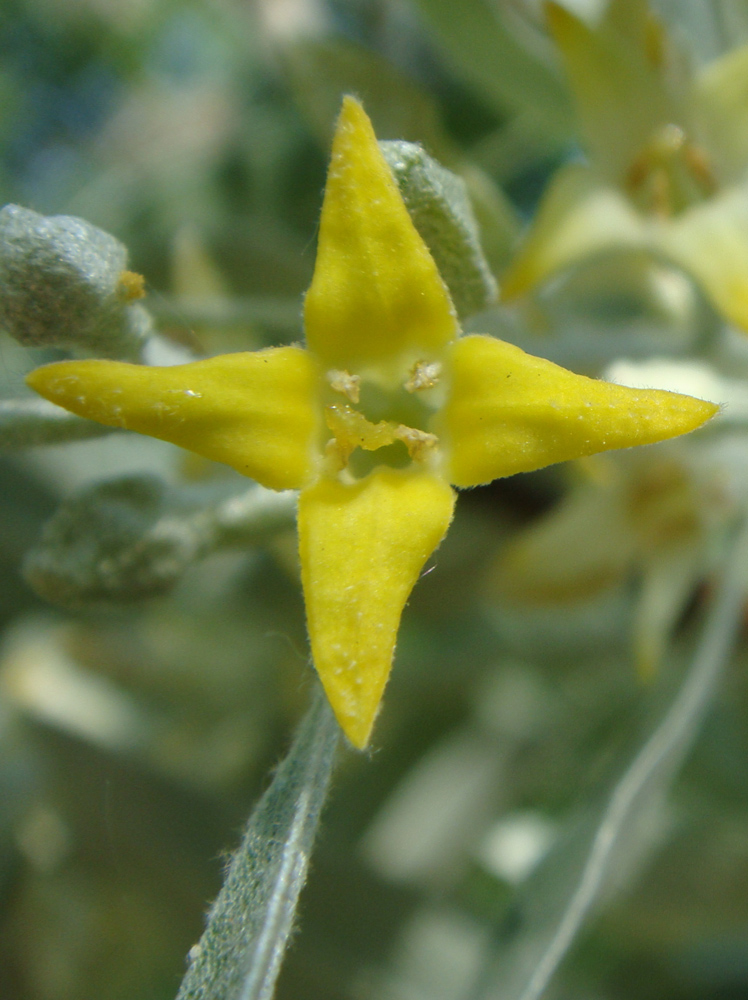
(376, 292)
(617, 75)
(711, 241)
(579, 216)
(362, 548)
(253, 411)
(510, 412)
(721, 108)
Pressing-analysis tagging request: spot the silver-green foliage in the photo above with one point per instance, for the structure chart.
(239, 955)
(61, 285)
(604, 846)
(439, 206)
(133, 537)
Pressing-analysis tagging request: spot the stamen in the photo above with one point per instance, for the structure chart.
(131, 286)
(352, 430)
(418, 443)
(345, 383)
(423, 375)
(670, 172)
(698, 163)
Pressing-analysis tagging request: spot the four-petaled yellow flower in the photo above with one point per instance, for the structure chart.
(384, 409)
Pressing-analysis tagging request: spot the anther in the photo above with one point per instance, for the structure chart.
(345, 383)
(423, 375)
(418, 443)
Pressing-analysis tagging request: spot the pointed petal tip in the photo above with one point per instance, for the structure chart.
(357, 728)
(352, 108)
(254, 411)
(562, 24)
(36, 380)
(39, 377)
(362, 548)
(58, 381)
(679, 413)
(511, 412)
(376, 292)
(353, 126)
(703, 411)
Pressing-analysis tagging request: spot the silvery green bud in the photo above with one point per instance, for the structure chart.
(65, 283)
(438, 203)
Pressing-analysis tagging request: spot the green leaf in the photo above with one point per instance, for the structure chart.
(439, 206)
(322, 70)
(490, 55)
(130, 538)
(240, 953)
(601, 851)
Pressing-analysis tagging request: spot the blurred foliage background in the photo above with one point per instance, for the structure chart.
(554, 625)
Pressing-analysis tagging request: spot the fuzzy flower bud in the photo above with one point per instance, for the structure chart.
(65, 283)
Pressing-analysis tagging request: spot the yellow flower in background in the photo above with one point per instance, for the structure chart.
(649, 517)
(668, 150)
(385, 408)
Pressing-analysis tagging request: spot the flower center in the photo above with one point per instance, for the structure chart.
(391, 423)
(670, 174)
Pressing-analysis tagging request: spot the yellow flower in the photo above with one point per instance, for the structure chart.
(373, 420)
(651, 517)
(668, 154)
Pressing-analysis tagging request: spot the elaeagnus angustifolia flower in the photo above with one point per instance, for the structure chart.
(383, 411)
(668, 158)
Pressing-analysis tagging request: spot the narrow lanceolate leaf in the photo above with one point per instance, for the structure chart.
(240, 953)
(611, 842)
(490, 54)
(438, 203)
